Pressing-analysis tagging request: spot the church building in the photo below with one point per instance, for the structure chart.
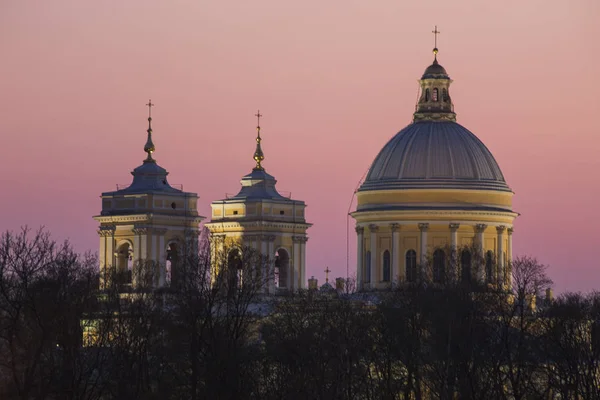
(434, 204)
(433, 189)
(261, 218)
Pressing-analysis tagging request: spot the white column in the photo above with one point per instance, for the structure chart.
(373, 231)
(303, 263)
(454, 235)
(162, 261)
(423, 227)
(296, 261)
(359, 257)
(500, 256)
(480, 231)
(395, 253)
(508, 262)
(271, 256)
(266, 272)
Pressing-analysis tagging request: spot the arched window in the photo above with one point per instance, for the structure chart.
(426, 94)
(411, 266)
(386, 266)
(368, 267)
(489, 266)
(439, 266)
(444, 95)
(434, 97)
(465, 266)
(282, 263)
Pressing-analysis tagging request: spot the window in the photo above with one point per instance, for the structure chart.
(439, 266)
(281, 212)
(465, 266)
(235, 212)
(444, 95)
(411, 266)
(426, 94)
(386, 266)
(368, 267)
(489, 266)
(434, 97)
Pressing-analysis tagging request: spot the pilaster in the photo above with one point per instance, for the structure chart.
(500, 256)
(360, 257)
(423, 227)
(373, 231)
(479, 239)
(395, 253)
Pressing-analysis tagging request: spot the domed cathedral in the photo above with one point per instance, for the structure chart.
(261, 218)
(434, 189)
(146, 227)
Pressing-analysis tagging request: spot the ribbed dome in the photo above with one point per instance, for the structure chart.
(435, 154)
(435, 70)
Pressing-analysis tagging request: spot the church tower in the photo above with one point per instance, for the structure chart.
(146, 227)
(434, 204)
(260, 217)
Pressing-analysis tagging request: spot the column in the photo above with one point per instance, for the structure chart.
(161, 259)
(266, 270)
(500, 256)
(395, 253)
(271, 256)
(479, 239)
(423, 227)
(359, 257)
(373, 230)
(303, 263)
(508, 261)
(455, 264)
(295, 264)
(454, 235)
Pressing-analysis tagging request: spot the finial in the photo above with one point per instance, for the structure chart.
(149, 147)
(327, 271)
(258, 154)
(435, 49)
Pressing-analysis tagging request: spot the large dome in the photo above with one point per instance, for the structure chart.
(437, 155)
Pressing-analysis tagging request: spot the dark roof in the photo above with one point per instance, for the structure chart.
(435, 154)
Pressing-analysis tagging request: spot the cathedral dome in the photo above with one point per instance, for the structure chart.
(433, 154)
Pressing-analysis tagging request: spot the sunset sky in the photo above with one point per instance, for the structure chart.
(335, 80)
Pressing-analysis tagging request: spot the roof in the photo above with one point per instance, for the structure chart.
(435, 154)
(148, 177)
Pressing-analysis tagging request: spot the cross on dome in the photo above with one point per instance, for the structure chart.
(435, 34)
(258, 154)
(149, 146)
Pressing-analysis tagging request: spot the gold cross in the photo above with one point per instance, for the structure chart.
(150, 105)
(435, 33)
(327, 271)
(258, 115)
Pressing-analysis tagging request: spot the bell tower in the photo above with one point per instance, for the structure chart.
(260, 217)
(434, 101)
(146, 227)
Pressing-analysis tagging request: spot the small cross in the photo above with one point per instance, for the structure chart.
(327, 271)
(258, 115)
(150, 105)
(435, 33)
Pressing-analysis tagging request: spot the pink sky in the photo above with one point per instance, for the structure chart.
(335, 80)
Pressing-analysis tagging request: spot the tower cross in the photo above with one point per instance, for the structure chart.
(327, 271)
(150, 105)
(258, 115)
(435, 33)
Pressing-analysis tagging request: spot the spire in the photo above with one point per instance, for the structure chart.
(258, 154)
(327, 271)
(435, 49)
(149, 146)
